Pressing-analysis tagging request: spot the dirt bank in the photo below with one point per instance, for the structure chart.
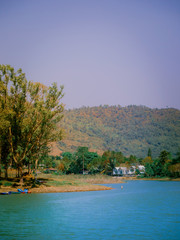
(53, 189)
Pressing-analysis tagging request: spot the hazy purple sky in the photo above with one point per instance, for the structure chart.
(103, 52)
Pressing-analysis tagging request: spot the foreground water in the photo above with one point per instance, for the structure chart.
(141, 210)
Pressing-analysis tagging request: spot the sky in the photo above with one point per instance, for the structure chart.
(104, 52)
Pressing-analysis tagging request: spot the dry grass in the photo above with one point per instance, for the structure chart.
(74, 183)
(69, 188)
(68, 183)
(65, 183)
(82, 179)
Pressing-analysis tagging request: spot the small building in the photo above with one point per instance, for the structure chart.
(117, 171)
(141, 168)
(125, 171)
(132, 170)
(120, 171)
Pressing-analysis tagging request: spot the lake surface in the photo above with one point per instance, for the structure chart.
(141, 210)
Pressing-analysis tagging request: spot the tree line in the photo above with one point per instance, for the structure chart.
(84, 161)
(29, 114)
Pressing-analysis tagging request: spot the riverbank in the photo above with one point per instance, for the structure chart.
(53, 189)
(49, 183)
(159, 179)
(148, 179)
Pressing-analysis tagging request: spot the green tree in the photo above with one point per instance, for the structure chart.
(147, 159)
(81, 156)
(163, 156)
(95, 165)
(131, 160)
(149, 169)
(149, 153)
(68, 155)
(109, 161)
(32, 112)
(119, 158)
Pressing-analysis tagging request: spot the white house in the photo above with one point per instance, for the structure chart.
(141, 168)
(117, 171)
(121, 171)
(132, 170)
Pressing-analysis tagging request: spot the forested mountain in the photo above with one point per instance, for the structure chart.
(131, 130)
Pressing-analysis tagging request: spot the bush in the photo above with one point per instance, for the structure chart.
(7, 184)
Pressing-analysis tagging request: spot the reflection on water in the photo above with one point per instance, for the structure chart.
(141, 210)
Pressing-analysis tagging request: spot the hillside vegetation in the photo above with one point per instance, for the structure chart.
(131, 130)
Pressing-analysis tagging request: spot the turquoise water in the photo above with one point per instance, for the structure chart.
(141, 210)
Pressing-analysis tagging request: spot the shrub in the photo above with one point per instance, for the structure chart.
(7, 184)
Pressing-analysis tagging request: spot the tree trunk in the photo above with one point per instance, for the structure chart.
(36, 164)
(0, 166)
(0, 163)
(29, 168)
(6, 171)
(18, 172)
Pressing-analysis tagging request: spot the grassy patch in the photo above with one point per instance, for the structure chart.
(79, 179)
(7, 184)
(58, 183)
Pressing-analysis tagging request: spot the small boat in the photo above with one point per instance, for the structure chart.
(11, 192)
(25, 191)
(4, 193)
(18, 192)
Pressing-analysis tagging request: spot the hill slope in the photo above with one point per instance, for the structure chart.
(131, 130)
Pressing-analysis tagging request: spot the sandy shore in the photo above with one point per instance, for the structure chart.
(79, 184)
(53, 189)
(64, 183)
